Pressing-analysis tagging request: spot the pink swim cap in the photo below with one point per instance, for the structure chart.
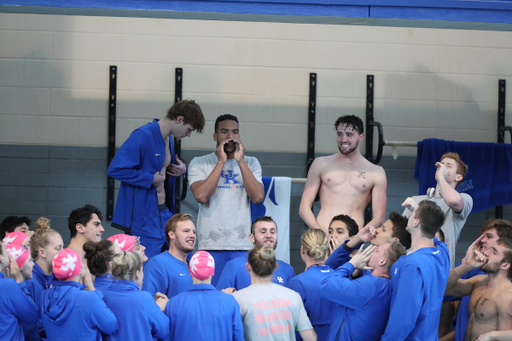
(124, 241)
(67, 264)
(202, 265)
(18, 252)
(15, 237)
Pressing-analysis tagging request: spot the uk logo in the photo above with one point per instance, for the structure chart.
(280, 279)
(230, 177)
(8, 240)
(120, 244)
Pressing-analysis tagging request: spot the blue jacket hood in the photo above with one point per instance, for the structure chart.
(58, 301)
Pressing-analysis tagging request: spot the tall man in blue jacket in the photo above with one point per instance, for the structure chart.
(141, 164)
(419, 279)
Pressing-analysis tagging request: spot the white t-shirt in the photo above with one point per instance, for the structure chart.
(453, 222)
(271, 312)
(224, 221)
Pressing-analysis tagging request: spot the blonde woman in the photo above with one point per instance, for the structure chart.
(313, 251)
(139, 316)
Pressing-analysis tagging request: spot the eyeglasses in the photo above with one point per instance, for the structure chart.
(136, 245)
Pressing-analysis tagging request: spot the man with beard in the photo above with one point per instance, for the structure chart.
(168, 272)
(489, 307)
(235, 275)
(492, 230)
(345, 181)
(223, 182)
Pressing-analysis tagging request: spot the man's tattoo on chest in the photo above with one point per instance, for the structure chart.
(485, 300)
(361, 174)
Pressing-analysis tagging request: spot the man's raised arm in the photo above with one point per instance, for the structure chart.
(311, 189)
(254, 189)
(474, 259)
(451, 197)
(204, 189)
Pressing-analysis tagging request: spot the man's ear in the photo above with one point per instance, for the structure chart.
(251, 238)
(383, 262)
(416, 222)
(215, 137)
(361, 137)
(180, 119)
(459, 178)
(79, 228)
(171, 235)
(505, 266)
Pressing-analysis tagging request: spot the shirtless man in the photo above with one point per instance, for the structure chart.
(345, 181)
(491, 296)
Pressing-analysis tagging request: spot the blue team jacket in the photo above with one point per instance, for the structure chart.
(363, 304)
(135, 163)
(34, 288)
(70, 313)
(419, 282)
(137, 313)
(204, 314)
(320, 310)
(166, 274)
(235, 275)
(102, 283)
(15, 307)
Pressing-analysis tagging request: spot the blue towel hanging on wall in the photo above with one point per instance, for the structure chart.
(489, 177)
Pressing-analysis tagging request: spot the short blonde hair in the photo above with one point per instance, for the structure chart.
(125, 265)
(262, 260)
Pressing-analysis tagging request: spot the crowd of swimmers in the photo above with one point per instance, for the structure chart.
(111, 291)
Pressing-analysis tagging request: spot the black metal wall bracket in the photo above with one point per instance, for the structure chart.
(112, 101)
(502, 91)
(311, 119)
(370, 123)
(180, 191)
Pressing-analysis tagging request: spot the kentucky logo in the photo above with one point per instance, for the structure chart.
(229, 176)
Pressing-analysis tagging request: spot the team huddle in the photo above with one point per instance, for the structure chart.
(149, 284)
